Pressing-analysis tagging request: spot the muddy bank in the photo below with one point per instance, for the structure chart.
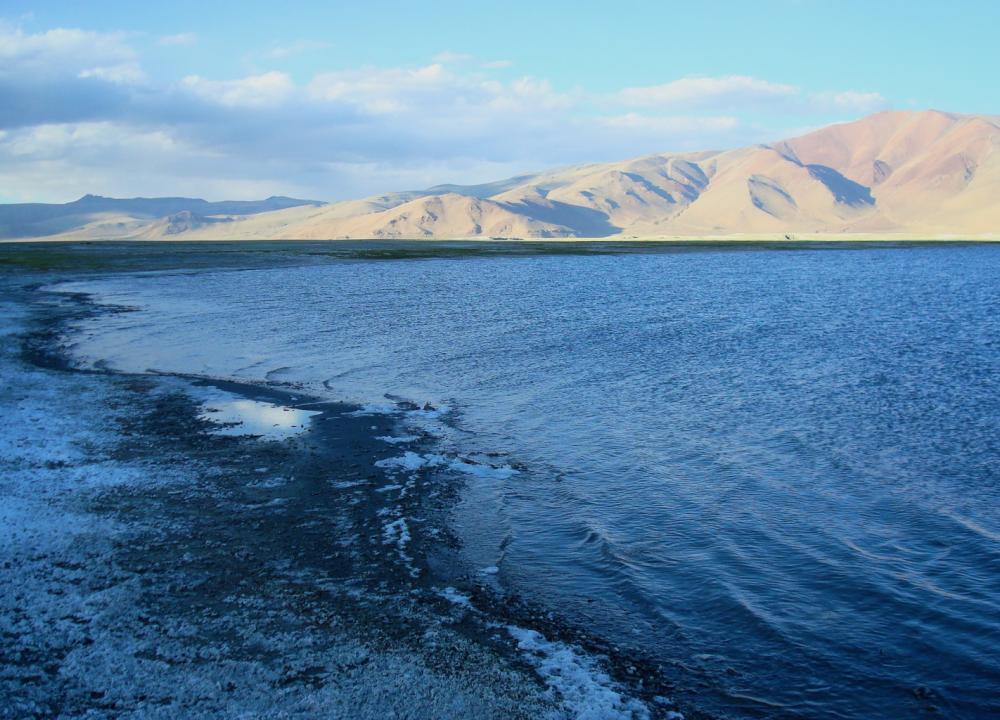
(164, 567)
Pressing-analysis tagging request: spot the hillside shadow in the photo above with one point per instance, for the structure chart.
(844, 190)
(585, 222)
(651, 188)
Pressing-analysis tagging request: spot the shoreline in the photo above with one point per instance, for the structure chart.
(528, 545)
(87, 258)
(322, 545)
(732, 239)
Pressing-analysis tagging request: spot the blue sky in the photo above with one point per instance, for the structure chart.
(335, 100)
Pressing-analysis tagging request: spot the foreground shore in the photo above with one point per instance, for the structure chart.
(165, 566)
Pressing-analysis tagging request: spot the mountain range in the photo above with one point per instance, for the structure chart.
(895, 173)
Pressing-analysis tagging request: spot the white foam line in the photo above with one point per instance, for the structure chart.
(398, 440)
(396, 533)
(411, 461)
(585, 691)
(456, 598)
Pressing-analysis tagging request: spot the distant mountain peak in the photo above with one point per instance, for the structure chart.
(48, 220)
(905, 172)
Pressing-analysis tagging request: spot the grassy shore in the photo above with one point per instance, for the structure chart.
(139, 255)
(674, 239)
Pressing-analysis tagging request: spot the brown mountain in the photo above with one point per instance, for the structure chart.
(916, 174)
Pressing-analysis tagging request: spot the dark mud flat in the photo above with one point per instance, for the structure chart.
(154, 568)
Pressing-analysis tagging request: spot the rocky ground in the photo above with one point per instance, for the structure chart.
(153, 567)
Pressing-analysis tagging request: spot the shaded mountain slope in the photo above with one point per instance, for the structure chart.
(910, 173)
(39, 219)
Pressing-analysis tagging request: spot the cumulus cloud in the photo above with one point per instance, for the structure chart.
(706, 92)
(63, 75)
(434, 89)
(744, 92)
(672, 123)
(380, 91)
(266, 90)
(848, 101)
(67, 160)
(121, 74)
(60, 51)
(78, 113)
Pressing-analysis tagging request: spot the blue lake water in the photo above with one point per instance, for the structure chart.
(778, 472)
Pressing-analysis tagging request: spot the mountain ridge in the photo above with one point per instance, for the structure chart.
(35, 219)
(920, 173)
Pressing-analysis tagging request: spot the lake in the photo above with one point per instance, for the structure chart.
(777, 472)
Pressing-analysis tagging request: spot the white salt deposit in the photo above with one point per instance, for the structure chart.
(66, 597)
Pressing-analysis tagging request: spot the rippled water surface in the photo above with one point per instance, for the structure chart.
(777, 471)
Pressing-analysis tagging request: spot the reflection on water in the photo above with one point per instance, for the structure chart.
(234, 416)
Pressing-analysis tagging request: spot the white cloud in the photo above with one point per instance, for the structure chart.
(65, 161)
(529, 94)
(255, 91)
(78, 114)
(60, 51)
(666, 133)
(672, 124)
(743, 92)
(123, 74)
(848, 101)
(186, 38)
(706, 92)
(497, 64)
(384, 91)
(436, 90)
(49, 142)
(64, 74)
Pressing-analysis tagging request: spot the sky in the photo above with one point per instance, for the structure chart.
(335, 100)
